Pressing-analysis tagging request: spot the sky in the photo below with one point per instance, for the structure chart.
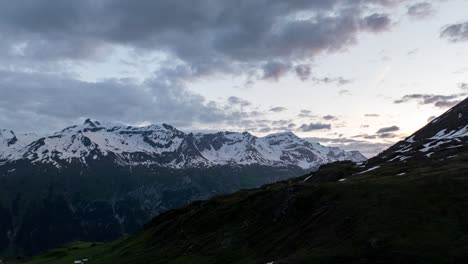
(359, 74)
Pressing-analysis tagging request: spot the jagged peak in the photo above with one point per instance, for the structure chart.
(168, 127)
(287, 134)
(91, 123)
(90, 126)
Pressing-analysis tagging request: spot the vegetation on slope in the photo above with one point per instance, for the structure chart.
(400, 213)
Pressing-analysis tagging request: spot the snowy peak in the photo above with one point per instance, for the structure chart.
(283, 136)
(7, 137)
(280, 149)
(442, 138)
(95, 140)
(11, 143)
(91, 123)
(164, 145)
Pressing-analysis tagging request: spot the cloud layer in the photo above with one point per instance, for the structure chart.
(206, 35)
(43, 42)
(455, 32)
(40, 40)
(440, 101)
(314, 126)
(420, 10)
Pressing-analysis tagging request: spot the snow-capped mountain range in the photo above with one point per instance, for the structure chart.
(164, 145)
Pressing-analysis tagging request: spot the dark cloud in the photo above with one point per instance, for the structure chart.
(306, 114)
(280, 122)
(446, 104)
(314, 126)
(275, 70)
(234, 100)
(303, 71)
(376, 22)
(329, 117)
(278, 109)
(455, 32)
(265, 130)
(440, 101)
(206, 35)
(388, 129)
(196, 38)
(383, 133)
(365, 136)
(267, 126)
(387, 135)
(420, 10)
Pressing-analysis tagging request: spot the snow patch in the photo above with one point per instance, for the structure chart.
(371, 169)
(307, 178)
(410, 139)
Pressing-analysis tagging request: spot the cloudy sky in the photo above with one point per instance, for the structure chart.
(358, 73)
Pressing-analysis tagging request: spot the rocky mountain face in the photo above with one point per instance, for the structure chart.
(95, 181)
(443, 138)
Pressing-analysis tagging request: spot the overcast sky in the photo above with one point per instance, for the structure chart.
(358, 73)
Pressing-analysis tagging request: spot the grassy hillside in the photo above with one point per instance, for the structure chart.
(47, 206)
(400, 213)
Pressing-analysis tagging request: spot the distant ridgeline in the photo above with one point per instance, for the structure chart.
(96, 182)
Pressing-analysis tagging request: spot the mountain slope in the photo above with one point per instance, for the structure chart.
(443, 137)
(97, 182)
(419, 217)
(390, 210)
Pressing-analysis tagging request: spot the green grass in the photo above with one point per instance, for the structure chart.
(375, 217)
(69, 253)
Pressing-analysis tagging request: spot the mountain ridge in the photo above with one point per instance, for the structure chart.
(443, 137)
(164, 145)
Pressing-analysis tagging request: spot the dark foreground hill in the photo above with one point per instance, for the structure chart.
(411, 214)
(408, 205)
